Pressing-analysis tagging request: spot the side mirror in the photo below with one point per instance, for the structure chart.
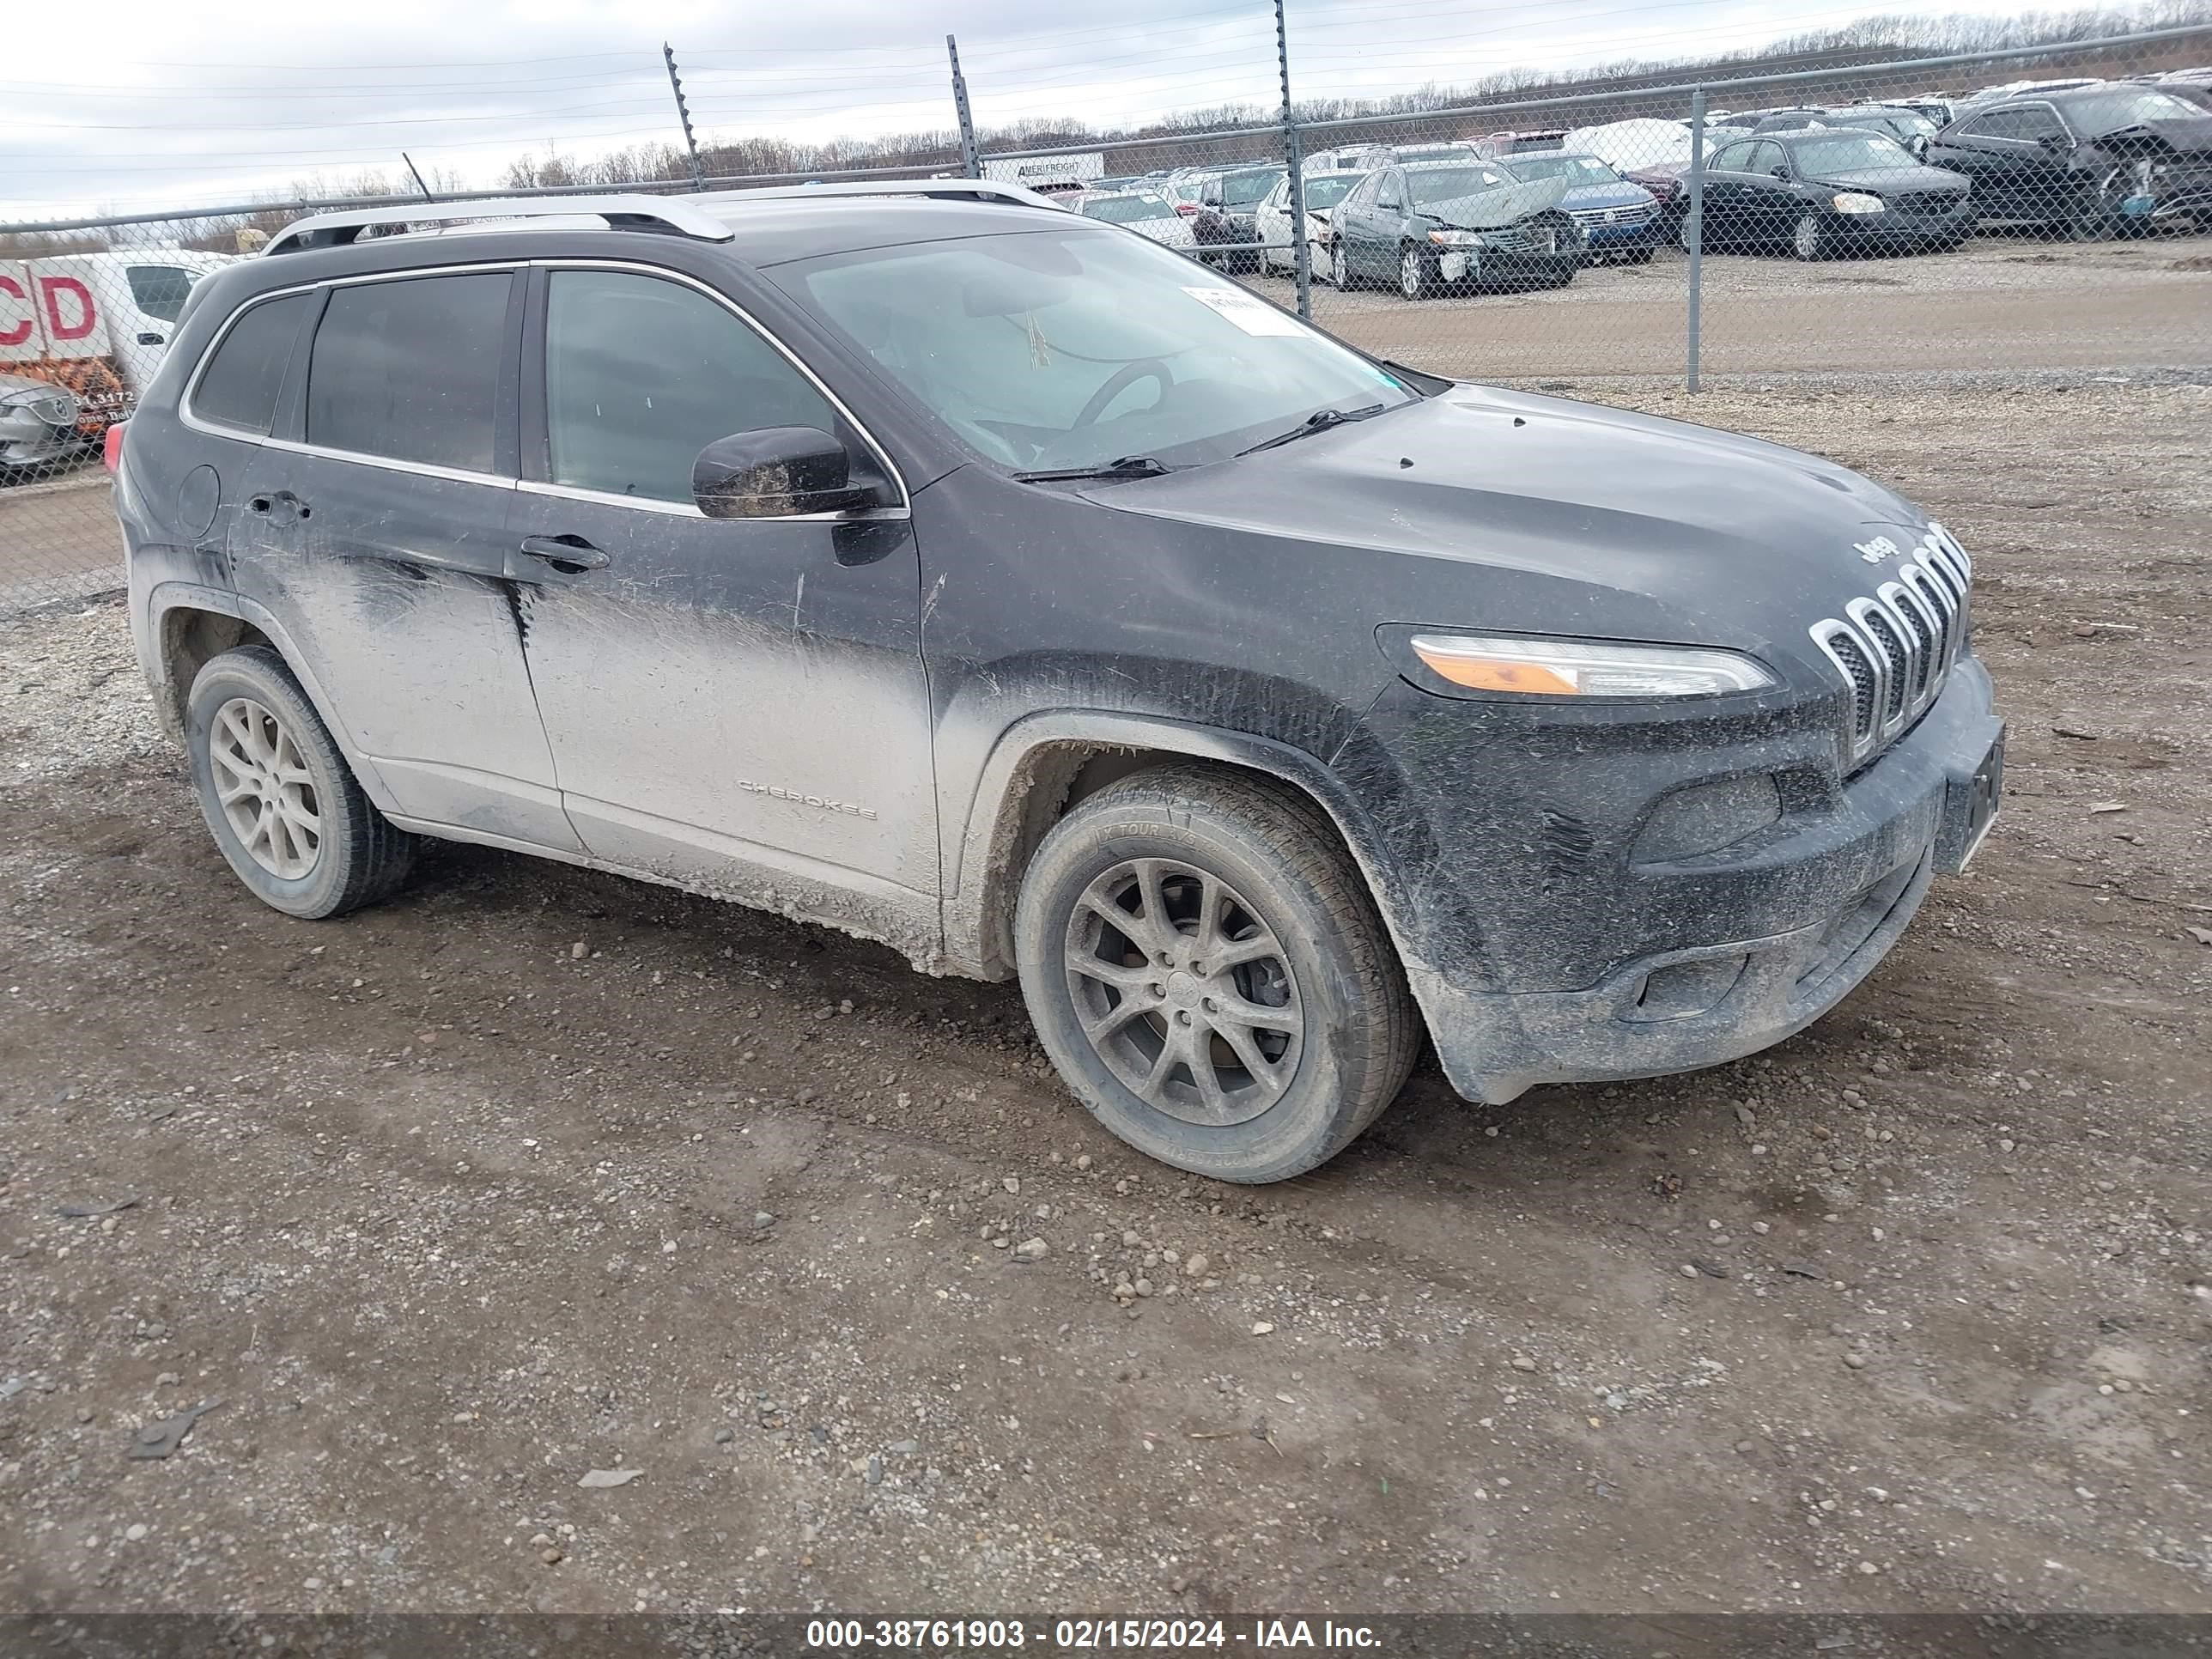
(1781, 173)
(776, 472)
(2055, 143)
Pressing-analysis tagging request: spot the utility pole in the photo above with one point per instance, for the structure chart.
(1301, 254)
(971, 161)
(683, 114)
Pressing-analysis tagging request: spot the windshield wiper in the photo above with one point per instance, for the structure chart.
(1320, 421)
(1129, 466)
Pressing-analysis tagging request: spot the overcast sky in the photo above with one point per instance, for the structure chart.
(127, 105)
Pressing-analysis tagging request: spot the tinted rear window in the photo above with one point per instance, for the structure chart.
(410, 369)
(240, 384)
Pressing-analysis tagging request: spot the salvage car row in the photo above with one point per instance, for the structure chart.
(2088, 160)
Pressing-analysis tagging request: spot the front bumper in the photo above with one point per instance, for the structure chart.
(1480, 265)
(1728, 953)
(1892, 229)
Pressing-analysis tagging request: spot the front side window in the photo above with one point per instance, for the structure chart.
(160, 290)
(239, 387)
(642, 374)
(1050, 349)
(408, 370)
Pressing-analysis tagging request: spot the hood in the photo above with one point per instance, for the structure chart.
(1606, 196)
(1565, 515)
(1490, 209)
(1893, 181)
(2191, 138)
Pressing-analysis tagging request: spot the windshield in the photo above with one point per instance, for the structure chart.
(2108, 112)
(1576, 169)
(1242, 189)
(1446, 183)
(1052, 349)
(1328, 192)
(1901, 122)
(1849, 152)
(1127, 209)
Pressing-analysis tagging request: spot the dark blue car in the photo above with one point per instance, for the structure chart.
(1620, 219)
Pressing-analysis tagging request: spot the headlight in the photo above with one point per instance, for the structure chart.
(1455, 237)
(1853, 201)
(1579, 668)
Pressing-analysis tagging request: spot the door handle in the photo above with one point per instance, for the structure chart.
(572, 555)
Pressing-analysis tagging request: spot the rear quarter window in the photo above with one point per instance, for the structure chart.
(239, 387)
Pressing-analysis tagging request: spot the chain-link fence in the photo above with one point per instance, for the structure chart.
(2033, 209)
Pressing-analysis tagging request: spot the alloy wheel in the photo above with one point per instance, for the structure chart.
(1410, 281)
(266, 791)
(1184, 991)
(1809, 240)
(1338, 272)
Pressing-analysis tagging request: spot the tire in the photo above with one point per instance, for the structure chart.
(1340, 269)
(1320, 965)
(1417, 279)
(325, 849)
(1810, 238)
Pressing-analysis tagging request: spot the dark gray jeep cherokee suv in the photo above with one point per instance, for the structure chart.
(991, 582)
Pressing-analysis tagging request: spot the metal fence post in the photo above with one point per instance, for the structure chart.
(970, 160)
(1694, 227)
(1301, 254)
(683, 114)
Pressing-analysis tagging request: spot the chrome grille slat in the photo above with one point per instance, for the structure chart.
(1895, 648)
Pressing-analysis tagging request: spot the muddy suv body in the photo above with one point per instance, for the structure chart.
(1270, 709)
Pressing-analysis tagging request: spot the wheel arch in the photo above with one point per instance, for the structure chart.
(190, 625)
(1046, 762)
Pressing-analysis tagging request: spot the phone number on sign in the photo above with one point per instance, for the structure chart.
(990, 1635)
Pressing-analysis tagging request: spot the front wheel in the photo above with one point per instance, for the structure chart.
(1207, 970)
(279, 799)
(1416, 278)
(1340, 269)
(1811, 238)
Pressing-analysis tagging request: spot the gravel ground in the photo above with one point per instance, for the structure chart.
(531, 1173)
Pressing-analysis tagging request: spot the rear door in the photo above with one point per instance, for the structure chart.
(373, 527)
(736, 704)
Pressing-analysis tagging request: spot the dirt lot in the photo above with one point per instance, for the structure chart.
(2035, 304)
(1910, 1314)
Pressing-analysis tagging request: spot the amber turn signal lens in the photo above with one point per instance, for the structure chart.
(1488, 674)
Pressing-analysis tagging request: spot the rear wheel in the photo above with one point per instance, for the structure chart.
(278, 797)
(1205, 967)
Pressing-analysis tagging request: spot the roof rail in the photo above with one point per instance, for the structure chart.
(619, 212)
(985, 189)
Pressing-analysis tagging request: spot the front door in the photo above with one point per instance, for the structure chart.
(736, 704)
(373, 528)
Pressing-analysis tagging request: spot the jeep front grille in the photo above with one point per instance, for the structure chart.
(1894, 648)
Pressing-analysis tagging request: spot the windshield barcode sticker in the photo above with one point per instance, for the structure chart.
(1247, 311)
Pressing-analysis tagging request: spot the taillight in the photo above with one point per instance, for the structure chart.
(1185, 207)
(111, 452)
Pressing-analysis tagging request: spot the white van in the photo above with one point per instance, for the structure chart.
(68, 309)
